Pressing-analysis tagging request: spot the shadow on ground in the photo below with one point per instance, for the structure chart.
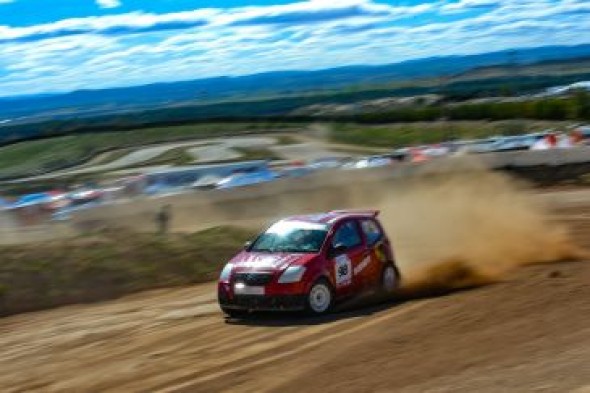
(362, 306)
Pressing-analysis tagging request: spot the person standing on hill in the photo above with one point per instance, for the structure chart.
(163, 219)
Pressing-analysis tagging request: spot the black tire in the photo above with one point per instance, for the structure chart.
(386, 286)
(320, 298)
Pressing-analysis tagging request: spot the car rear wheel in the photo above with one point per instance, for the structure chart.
(320, 298)
(390, 279)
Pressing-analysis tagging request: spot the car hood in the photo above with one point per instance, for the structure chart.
(263, 261)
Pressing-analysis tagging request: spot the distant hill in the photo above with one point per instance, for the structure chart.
(563, 67)
(100, 102)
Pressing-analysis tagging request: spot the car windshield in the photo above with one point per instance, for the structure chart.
(292, 236)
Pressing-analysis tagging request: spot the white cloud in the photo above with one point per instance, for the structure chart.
(464, 5)
(300, 13)
(138, 48)
(108, 3)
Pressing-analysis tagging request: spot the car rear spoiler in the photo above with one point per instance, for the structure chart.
(372, 213)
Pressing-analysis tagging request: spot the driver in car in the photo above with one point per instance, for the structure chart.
(305, 240)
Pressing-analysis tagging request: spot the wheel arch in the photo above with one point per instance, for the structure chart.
(321, 275)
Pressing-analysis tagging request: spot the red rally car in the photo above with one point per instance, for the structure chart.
(309, 263)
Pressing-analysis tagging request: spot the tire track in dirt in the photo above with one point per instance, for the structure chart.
(189, 385)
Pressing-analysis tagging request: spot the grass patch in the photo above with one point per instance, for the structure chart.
(405, 134)
(358, 150)
(101, 266)
(110, 156)
(31, 158)
(258, 153)
(175, 157)
(285, 140)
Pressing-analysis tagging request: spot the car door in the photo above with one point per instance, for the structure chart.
(371, 268)
(347, 250)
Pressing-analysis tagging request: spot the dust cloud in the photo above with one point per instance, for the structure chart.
(467, 228)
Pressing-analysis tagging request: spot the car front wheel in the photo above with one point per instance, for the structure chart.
(320, 298)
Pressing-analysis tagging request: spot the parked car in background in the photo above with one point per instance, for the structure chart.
(369, 162)
(246, 179)
(207, 182)
(326, 163)
(296, 171)
(86, 196)
(475, 146)
(514, 143)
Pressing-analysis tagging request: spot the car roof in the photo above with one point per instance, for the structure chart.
(332, 217)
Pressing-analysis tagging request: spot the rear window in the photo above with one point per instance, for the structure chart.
(347, 235)
(372, 231)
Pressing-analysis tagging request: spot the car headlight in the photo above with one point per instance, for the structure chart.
(226, 272)
(292, 274)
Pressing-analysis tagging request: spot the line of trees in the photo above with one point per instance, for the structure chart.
(576, 107)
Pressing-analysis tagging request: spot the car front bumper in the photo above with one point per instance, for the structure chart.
(261, 302)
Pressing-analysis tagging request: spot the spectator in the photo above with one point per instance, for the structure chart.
(551, 140)
(163, 219)
(576, 137)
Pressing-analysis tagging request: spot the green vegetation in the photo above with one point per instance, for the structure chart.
(108, 157)
(575, 107)
(177, 157)
(47, 155)
(399, 135)
(251, 154)
(287, 140)
(356, 150)
(100, 266)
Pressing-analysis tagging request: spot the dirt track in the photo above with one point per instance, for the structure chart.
(530, 332)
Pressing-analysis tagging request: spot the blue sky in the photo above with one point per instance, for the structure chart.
(64, 45)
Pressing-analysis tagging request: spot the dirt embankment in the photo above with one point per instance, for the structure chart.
(109, 264)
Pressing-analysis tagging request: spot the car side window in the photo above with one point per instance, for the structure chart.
(347, 235)
(372, 231)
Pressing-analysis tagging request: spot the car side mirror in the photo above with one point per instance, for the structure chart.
(247, 245)
(338, 249)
